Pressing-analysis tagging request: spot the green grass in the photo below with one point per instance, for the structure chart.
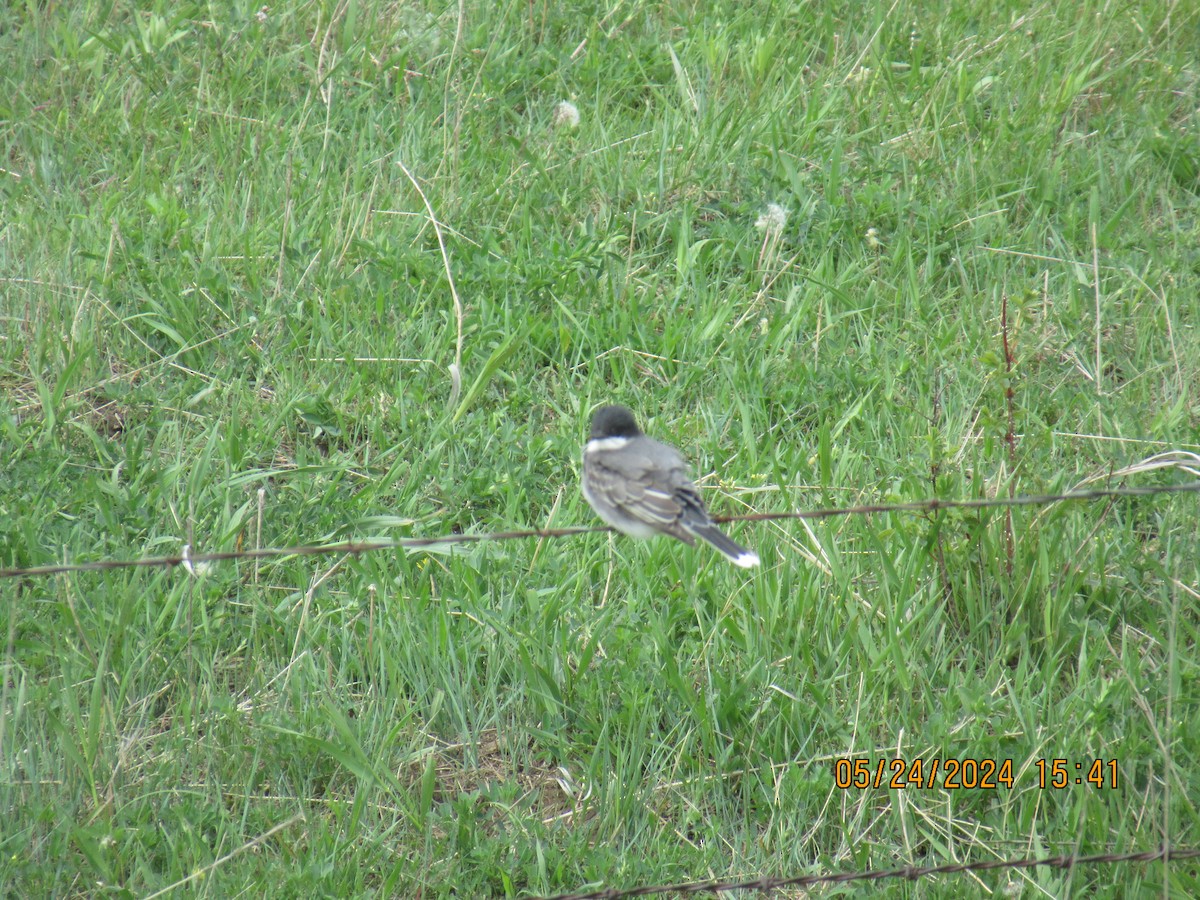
(225, 320)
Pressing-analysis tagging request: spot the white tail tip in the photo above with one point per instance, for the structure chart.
(747, 560)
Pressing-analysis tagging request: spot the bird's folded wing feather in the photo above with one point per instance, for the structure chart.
(692, 510)
(646, 492)
(633, 494)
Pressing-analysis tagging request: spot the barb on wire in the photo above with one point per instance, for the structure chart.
(1165, 854)
(354, 548)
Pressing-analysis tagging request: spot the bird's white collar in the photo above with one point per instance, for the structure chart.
(607, 444)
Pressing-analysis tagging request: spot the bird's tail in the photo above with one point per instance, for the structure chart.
(735, 553)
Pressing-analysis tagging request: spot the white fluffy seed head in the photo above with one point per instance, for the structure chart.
(773, 220)
(566, 114)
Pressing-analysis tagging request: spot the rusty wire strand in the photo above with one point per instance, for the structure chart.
(355, 548)
(1166, 854)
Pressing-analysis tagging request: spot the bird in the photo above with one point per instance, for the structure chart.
(641, 487)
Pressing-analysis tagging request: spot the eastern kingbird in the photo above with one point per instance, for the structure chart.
(641, 487)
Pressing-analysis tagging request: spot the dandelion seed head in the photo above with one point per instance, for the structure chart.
(773, 220)
(566, 114)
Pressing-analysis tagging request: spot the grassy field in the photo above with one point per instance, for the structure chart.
(334, 270)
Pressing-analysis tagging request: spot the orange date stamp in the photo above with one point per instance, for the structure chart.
(968, 773)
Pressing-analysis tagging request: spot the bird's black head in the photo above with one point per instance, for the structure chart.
(614, 421)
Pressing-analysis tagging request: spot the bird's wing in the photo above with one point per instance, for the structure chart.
(691, 506)
(650, 489)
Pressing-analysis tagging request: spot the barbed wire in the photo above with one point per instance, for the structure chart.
(1165, 854)
(354, 548)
